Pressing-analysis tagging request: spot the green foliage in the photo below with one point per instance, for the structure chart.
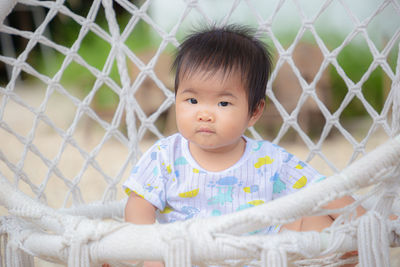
(355, 59)
(95, 51)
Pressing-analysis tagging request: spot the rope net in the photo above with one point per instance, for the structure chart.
(66, 148)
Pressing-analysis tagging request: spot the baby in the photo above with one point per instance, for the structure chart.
(210, 168)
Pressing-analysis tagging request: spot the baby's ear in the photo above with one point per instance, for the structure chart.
(257, 113)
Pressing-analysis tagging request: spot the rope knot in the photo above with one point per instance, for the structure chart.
(310, 244)
(291, 120)
(362, 27)
(331, 57)
(333, 119)
(78, 234)
(355, 89)
(285, 55)
(308, 90)
(192, 3)
(170, 38)
(147, 70)
(308, 24)
(380, 58)
(139, 13)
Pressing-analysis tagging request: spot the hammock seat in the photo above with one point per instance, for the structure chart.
(89, 234)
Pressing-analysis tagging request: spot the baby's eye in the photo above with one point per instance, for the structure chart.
(192, 100)
(223, 104)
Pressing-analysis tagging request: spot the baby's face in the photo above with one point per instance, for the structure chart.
(212, 110)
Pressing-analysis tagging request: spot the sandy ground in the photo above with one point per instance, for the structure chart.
(112, 155)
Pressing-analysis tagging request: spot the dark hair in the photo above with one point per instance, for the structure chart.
(230, 48)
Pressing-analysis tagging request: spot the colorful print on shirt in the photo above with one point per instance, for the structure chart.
(170, 179)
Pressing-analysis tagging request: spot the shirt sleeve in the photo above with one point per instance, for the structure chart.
(147, 179)
(293, 175)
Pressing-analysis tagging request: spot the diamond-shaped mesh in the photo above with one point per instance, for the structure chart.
(84, 102)
(86, 87)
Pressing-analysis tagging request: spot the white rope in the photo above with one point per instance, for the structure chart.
(274, 257)
(75, 235)
(13, 251)
(396, 99)
(81, 233)
(373, 234)
(178, 253)
(5, 8)
(132, 108)
(373, 240)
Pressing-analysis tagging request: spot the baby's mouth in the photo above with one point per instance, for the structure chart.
(205, 130)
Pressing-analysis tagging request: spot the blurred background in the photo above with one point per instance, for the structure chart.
(333, 25)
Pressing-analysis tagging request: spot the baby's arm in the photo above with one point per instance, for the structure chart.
(140, 211)
(315, 223)
(341, 203)
(318, 223)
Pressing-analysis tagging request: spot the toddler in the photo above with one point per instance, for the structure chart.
(210, 168)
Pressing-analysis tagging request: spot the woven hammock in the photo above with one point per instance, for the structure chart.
(89, 233)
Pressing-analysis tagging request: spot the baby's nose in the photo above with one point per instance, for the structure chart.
(205, 116)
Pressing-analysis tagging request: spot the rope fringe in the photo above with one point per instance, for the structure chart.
(178, 253)
(78, 255)
(15, 257)
(274, 257)
(373, 241)
(3, 246)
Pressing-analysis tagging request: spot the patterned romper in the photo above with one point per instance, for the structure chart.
(170, 179)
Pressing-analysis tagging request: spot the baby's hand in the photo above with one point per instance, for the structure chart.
(349, 255)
